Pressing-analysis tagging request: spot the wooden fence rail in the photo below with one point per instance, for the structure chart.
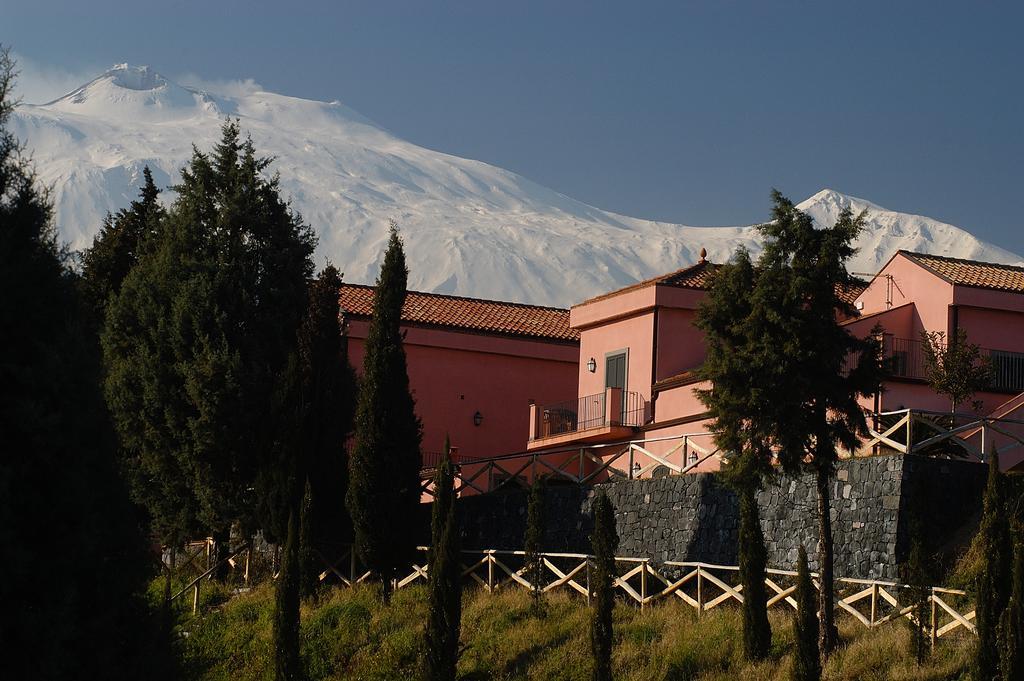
(703, 586)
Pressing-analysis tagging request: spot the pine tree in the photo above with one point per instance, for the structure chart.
(1011, 625)
(806, 661)
(197, 338)
(604, 542)
(60, 493)
(117, 247)
(444, 576)
(532, 542)
(995, 574)
(384, 490)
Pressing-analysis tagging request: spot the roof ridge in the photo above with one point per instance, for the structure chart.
(966, 261)
(660, 279)
(467, 298)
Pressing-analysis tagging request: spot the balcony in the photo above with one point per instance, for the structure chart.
(601, 417)
(904, 358)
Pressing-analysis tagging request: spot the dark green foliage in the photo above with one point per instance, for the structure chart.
(533, 540)
(311, 408)
(384, 483)
(915, 573)
(806, 660)
(995, 575)
(119, 245)
(1011, 625)
(737, 318)
(74, 562)
(444, 576)
(957, 369)
(757, 633)
(604, 542)
(287, 664)
(316, 398)
(197, 339)
(802, 391)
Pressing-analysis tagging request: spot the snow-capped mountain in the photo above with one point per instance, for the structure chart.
(470, 228)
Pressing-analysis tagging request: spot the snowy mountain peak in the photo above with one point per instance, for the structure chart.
(469, 228)
(126, 91)
(135, 77)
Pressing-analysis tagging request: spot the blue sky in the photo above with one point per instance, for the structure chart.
(682, 111)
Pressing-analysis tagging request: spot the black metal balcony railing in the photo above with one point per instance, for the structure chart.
(589, 412)
(905, 358)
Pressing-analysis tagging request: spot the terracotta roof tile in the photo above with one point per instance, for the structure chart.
(699, 277)
(469, 314)
(692, 276)
(972, 272)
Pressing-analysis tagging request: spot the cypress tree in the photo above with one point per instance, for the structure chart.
(60, 492)
(995, 574)
(444, 576)
(736, 317)
(198, 337)
(532, 542)
(814, 390)
(287, 665)
(757, 633)
(604, 542)
(914, 572)
(1011, 625)
(384, 489)
(311, 435)
(806, 661)
(117, 247)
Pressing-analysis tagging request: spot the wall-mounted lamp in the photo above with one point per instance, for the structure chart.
(478, 419)
(592, 365)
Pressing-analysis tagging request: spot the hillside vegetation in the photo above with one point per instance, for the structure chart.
(347, 634)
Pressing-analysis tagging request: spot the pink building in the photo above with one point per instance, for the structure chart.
(639, 351)
(474, 365)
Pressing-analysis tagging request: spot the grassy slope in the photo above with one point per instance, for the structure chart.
(349, 635)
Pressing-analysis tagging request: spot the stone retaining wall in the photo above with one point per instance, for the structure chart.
(695, 517)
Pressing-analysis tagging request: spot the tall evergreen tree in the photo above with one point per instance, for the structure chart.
(915, 573)
(444, 576)
(287, 664)
(993, 586)
(117, 247)
(604, 542)
(60, 493)
(1011, 625)
(384, 490)
(312, 399)
(816, 397)
(533, 542)
(198, 336)
(738, 317)
(806, 661)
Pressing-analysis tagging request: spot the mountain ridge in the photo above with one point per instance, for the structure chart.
(471, 229)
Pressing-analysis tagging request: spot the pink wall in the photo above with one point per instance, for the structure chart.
(635, 335)
(680, 343)
(996, 329)
(930, 294)
(453, 375)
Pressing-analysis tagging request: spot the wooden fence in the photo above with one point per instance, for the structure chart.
(920, 431)
(702, 586)
(585, 465)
